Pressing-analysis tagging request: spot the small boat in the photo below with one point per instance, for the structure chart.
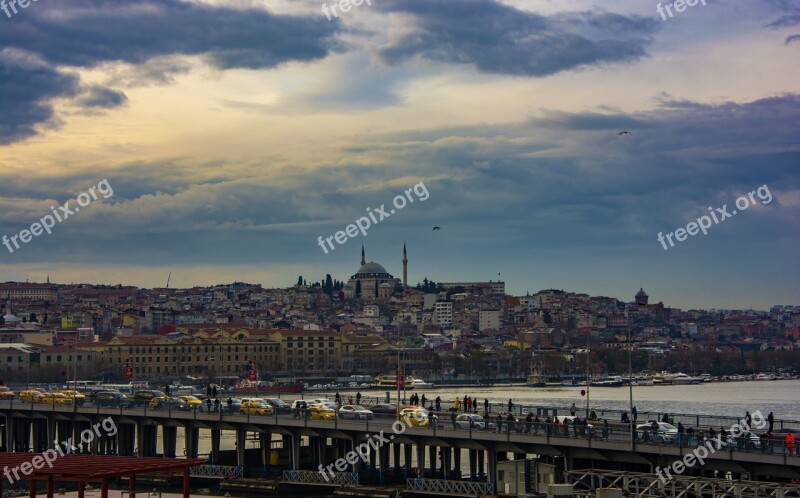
(536, 381)
(611, 381)
(418, 384)
(681, 379)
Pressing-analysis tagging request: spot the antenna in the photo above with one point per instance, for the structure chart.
(168, 277)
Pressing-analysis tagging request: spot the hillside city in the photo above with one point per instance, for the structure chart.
(320, 330)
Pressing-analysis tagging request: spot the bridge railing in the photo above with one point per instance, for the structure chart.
(316, 477)
(222, 471)
(450, 487)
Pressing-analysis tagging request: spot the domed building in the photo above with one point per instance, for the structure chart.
(371, 280)
(641, 297)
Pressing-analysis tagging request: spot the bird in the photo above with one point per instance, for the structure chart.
(624, 132)
(436, 228)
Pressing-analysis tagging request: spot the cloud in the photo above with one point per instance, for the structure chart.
(88, 33)
(98, 96)
(499, 39)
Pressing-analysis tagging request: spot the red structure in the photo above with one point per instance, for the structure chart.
(90, 468)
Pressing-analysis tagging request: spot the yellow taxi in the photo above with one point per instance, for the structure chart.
(255, 408)
(55, 399)
(6, 393)
(76, 396)
(192, 401)
(415, 417)
(320, 411)
(30, 396)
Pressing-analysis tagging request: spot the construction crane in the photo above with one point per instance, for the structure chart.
(168, 277)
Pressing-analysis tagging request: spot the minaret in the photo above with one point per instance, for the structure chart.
(405, 266)
(363, 260)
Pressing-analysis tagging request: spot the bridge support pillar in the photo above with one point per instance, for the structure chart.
(241, 445)
(491, 476)
(40, 428)
(373, 458)
(126, 438)
(446, 462)
(432, 458)
(396, 456)
(215, 439)
(51, 431)
(140, 439)
(295, 450)
(457, 462)
(383, 454)
(265, 441)
(8, 434)
(191, 437)
(407, 449)
(473, 464)
(481, 466)
(169, 440)
(421, 458)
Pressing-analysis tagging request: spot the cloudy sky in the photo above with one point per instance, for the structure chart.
(234, 133)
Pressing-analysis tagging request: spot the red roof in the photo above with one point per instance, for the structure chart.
(83, 468)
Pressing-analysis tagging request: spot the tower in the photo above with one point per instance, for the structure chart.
(363, 260)
(405, 266)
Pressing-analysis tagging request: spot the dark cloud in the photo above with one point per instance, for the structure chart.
(98, 96)
(497, 38)
(87, 33)
(789, 17)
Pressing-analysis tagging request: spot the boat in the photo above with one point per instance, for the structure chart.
(250, 387)
(681, 379)
(766, 377)
(414, 383)
(610, 381)
(536, 381)
(389, 381)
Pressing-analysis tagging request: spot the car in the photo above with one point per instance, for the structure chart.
(30, 396)
(384, 409)
(77, 397)
(279, 405)
(144, 396)
(665, 434)
(356, 412)
(321, 411)
(253, 407)
(232, 405)
(6, 393)
(55, 399)
(111, 398)
(471, 420)
(168, 402)
(415, 417)
(192, 401)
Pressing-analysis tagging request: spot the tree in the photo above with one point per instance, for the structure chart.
(300, 281)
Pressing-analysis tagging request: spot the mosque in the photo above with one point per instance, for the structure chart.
(373, 281)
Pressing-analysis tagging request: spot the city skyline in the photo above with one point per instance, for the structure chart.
(557, 142)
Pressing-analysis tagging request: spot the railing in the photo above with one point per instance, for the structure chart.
(316, 477)
(450, 487)
(222, 471)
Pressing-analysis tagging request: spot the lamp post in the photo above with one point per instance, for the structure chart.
(587, 374)
(630, 384)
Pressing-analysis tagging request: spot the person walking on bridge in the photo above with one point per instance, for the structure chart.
(771, 420)
(790, 443)
(510, 405)
(486, 406)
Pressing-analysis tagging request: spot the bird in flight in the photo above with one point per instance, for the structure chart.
(436, 228)
(625, 132)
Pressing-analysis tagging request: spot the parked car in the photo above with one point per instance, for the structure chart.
(279, 405)
(30, 396)
(143, 397)
(384, 409)
(55, 399)
(664, 434)
(253, 407)
(6, 393)
(111, 398)
(467, 420)
(77, 397)
(356, 412)
(168, 402)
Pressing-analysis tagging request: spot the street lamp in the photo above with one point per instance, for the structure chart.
(630, 385)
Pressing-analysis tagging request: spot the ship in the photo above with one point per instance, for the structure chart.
(411, 382)
(611, 381)
(250, 387)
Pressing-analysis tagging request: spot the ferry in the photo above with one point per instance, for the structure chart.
(390, 381)
(681, 379)
(610, 381)
(260, 387)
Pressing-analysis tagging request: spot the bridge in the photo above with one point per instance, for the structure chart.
(397, 451)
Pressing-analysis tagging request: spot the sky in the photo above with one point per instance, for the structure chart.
(225, 140)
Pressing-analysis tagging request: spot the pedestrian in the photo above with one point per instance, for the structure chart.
(681, 432)
(624, 418)
(605, 429)
(423, 400)
(510, 405)
(438, 403)
(216, 405)
(635, 414)
(468, 404)
(230, 404)
(208, 404)
(771, 420)
(499, 422)
(510, 420)
(350, 400)
(358, 398)
(338, 398)
(536, 424)
(748, 419)
(573, 409)
(790, 443)
(456, 404)
(474, 405)
(466, 408)
(528, 423)
(453, 418)
(486, 406)
(208, 390)
(214, 392)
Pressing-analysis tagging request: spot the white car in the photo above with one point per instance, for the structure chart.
(357, 412)
(467, 420)
(665, 434)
